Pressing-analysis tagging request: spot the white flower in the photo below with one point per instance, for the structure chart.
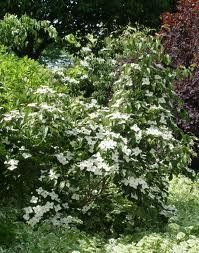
(134, 196)
(129, 83)
(65, 205)
(138, 136)
(32, 105)
(34, 200)
(84, 77)
(134, 182)
(100, 135)
(135, 128)
(45, 106)
(157, 77)
(149, 94)
(118, 115)
(22, 148)
(86, 164)
(44, 194)
(136, 151)
(53, 174)
(39, 190)
(48, 206)
(61, 158)
(86, 49)
(164, 133)
(57, 208)
(135, 66)
(145, 81)
(54, 196)
(115, 156)
(180, 236)
(26, 155)
(126, 150)
(163, 120)
(108, 144)
(44, 90)
(26, 217)
(71, 80)
(28, 209)
(12, 164)
(85, 131)
(162, 100)
(13, 114)
(75, 196)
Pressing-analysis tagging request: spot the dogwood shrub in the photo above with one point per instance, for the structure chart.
(104, 165)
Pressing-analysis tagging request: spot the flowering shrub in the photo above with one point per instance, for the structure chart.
(100, 164)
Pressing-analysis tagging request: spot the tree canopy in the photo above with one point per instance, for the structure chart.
(86, 15)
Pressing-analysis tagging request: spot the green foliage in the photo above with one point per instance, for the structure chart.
(17, 78)
(48, 238)
(182, 234)
(86, 15)
(7, 227)
(26, 36)
(98, 164)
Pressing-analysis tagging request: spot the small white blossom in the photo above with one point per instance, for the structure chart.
(44, 90)
(75, 196)
(61, 158)
(53, 175)
(32, 105)
(34, 200)
(108, 144)
(135, 128)
(12, 164)
(145, 81)
(136, 151)
(118, 115)
(26, 155)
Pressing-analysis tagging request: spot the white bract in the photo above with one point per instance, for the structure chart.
(12, 164)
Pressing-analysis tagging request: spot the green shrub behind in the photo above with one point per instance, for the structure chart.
(18, 77)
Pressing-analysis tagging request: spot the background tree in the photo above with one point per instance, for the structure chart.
(26, 36)
(86, 16)
(180, 36)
